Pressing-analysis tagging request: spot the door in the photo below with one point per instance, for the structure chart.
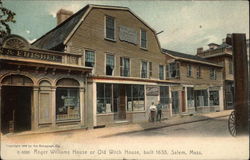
(16, 109)
(183, 104)
(119, 102)
(175, 102)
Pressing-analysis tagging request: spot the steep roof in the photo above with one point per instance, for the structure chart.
(188, 57)
(58, 34)
(61, 33)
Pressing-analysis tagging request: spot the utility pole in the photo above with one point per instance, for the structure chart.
(241, 82)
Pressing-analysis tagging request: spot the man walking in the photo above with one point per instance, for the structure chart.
(159, 111)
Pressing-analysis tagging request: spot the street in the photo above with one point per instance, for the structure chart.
(208, 139)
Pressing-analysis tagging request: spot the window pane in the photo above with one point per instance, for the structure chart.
(143, 39)
(110, 27)
(109, 64)
(89, 58)
(214, 97)
(67, 103)
(161, 72)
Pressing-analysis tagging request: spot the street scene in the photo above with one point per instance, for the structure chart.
(124, 80)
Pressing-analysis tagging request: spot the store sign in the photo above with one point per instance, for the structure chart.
(31, 55)
(215, 88)
(128, 34)
(176, 88)
(200, 87)
(152, 90)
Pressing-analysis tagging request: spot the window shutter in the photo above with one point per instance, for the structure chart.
(121, 66)
(177, 69)
(150, 69)
(167, 71)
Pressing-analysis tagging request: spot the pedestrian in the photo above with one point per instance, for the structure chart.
(153, 110)
(159, 111)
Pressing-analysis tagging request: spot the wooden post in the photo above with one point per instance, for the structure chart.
(241, 83)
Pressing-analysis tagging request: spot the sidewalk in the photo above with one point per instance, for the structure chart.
(135, 127)
(177, 120)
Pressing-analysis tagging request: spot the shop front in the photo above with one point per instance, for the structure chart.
(40, 90)
(126, 103)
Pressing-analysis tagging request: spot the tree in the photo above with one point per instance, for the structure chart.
(6, 17)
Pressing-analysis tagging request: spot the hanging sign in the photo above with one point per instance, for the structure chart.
(128, 34)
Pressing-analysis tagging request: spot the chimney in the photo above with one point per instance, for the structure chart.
(62, 15)
(199, 50)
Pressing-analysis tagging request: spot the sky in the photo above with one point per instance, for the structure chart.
(186, 25)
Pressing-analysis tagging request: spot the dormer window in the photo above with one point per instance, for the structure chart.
(110, 28)
(143, 39)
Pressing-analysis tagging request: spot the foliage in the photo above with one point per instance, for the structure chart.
(6, 17)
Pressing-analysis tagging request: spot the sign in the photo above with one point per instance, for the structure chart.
(69, 101)
(176, 88)
(215, 88)
(152, 90)
(31, 55)
(128, 34)
(200, 87)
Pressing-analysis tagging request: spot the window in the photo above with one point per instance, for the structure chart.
(143, 39)
(190, 96)
(164, 95)
(135, 98)
(104, 98)
(198, 73)
(172, 70)
(89, 58)
(214, 98)
(124, 67)
(230, 67)
(110, 28)
(161, 72)
(150, 69)
(67, 100)
(67, 103)
(201, 97)
(213, 74)
(144, 69)
(110, 64)
(189, 70)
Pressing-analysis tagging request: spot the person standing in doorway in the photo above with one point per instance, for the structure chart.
(153, 110)
(159, 111)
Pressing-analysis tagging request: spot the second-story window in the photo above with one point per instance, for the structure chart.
(150, 69)
(110, 28)
(89, 58)
(144, 69)
(143, 39)
(198, 73)
(161, 72)
(189, 70)
(110, 64)
(124, 67)
(213, 75)
(173, 70)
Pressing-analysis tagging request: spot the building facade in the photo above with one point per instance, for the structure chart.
(101, 66)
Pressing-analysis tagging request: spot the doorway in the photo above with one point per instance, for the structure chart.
(175, 102)
(16, 109)
(119, 102)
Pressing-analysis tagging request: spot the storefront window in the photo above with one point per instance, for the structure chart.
(201, 98)
(104, 98)
(190, 96)
(214, 98)
(67, 103)
(135, 97)
(164, 95)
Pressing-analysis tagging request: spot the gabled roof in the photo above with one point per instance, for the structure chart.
(188, 57)
(57, 35)
(62, 33)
